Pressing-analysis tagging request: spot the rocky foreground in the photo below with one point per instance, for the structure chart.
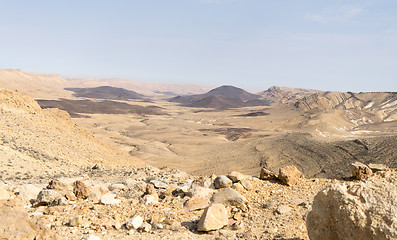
(150, 203)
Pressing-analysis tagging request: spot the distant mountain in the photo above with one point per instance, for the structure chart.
(286, 95)
(106, 92)
(221, 98)
(375, 106)
(52, 86)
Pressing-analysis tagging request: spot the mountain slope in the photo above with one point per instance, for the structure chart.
(48, 141)
(222, 97)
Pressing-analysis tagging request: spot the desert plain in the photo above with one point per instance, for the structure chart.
(113, 131)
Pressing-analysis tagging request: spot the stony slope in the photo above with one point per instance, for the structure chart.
(37, 143)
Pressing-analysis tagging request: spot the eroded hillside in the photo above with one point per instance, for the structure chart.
(39, 142)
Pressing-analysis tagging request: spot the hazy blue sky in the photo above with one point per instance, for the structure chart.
(254, 44)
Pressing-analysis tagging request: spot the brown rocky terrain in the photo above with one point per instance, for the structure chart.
(38, 143)
(63, 182)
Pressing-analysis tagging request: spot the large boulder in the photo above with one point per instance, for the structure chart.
(289, 175)
(214, 218)
(360, 171)
(81, 190)
(222, 182)
(48, 197)
(359, 210)
(228, 197)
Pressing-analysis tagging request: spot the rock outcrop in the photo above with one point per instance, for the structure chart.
(289, 175)
(356, 211)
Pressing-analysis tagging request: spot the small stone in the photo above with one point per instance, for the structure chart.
(236, 176)
(222, 182)
(134, 223)
(117, 225)
(158, 225)
(149, 199)
(75, 221)
(289, 175)
(267, 175)
(91, 237)
(145, 227)
(237, 226)
(360, 171)
(117, 187)
(377, 167)
(196, 203)
(202, 192)
(214, 218)
(238, 187)
(228, 197)
(109, 199)
(174, 225)
(60, 186)
(283, 209)
(81, 190)
(159, 184)
(98, 166)
(246, 184)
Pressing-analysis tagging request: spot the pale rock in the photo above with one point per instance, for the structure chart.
(267, 175)
(134, 223)
(98, 166)
(289, 175)
(214, 217)
(228, 197)
(145, 227)
(48, 197)
(377, 167)
(117, 225)
(283, 209)
(15, 224)
(117, 187)
(359, 210)
(4, 193)
(236, 176)
(28, 192)
(109, 199)
(75, 221)
(196, 203)
(360, 171)
(150, 190)
(246, 184)
(91, 237)
(222, 182)
(149, 199)
(159, 184)
(238, 187)
(202, 192)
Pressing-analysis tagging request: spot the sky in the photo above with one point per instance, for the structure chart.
(253, 44)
